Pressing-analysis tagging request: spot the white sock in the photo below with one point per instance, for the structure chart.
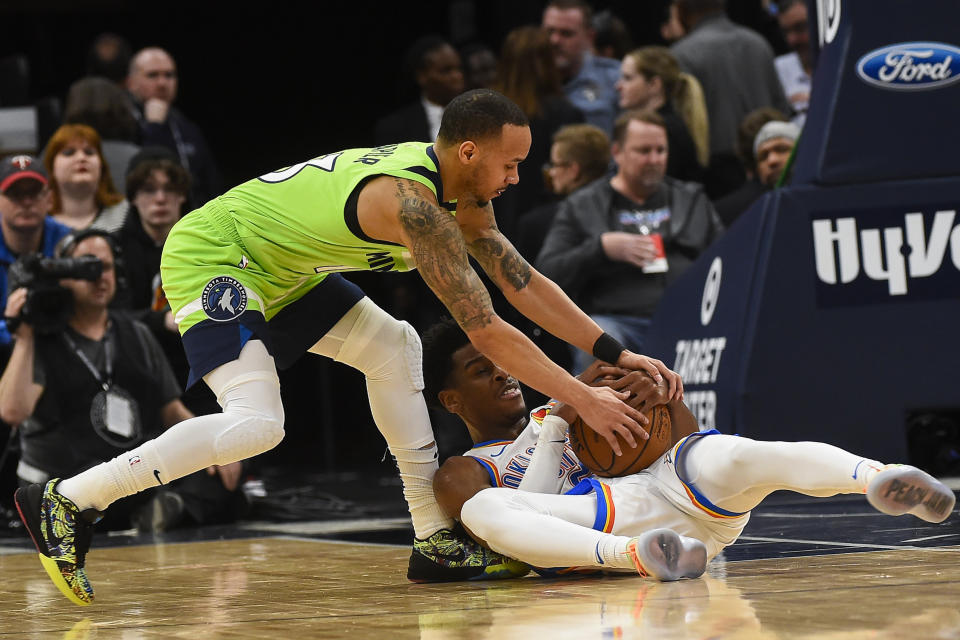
(417, 468)
(614, 551)
(388, 353)
(252, 422)
(122, 476)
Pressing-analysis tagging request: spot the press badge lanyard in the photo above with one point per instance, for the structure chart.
(107, 349)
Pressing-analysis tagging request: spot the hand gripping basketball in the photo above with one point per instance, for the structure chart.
(597, 453)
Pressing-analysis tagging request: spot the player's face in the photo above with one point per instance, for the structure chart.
(488, 395)
(569, 36)
(498, 161)
(772, 157)
(99, 292)
(642, 158)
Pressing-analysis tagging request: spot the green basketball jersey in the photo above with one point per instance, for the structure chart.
(302, 220)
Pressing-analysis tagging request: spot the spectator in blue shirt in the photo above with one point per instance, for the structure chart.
(25, 200)
(589, 80)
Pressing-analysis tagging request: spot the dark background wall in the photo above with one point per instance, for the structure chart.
(280, 83)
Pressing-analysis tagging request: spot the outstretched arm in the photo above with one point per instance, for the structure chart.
(438, 246)
(541, 300)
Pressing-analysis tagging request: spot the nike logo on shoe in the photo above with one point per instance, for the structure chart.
(597, 551)
(451, 557)
(53, 540)
(156, 473)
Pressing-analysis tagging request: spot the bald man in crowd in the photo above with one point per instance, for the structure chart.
(152, 83)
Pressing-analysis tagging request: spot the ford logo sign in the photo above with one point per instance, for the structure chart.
(911, 66)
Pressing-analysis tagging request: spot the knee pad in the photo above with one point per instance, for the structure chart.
(249, 392)
(383, 348)
(247, 437)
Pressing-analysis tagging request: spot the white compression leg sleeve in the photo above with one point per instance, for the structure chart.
(736, 473)
(388, 352)
(251, 423)
(544, 530)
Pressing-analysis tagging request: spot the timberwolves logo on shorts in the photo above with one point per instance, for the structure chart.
(224, 299)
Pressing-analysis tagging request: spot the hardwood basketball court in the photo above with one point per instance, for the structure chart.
(803, 569)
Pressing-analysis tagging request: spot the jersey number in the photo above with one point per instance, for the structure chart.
(326, 163)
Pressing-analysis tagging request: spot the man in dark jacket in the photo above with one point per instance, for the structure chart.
(617, 243)
(152, 83)
(435, 66)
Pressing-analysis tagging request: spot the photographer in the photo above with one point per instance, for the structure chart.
(86, 385)
(25, 227)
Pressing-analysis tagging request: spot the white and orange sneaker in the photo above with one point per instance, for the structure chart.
(667, 556)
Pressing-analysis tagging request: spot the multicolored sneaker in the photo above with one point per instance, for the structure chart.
(62, 535)
(899, 488)
(667, 556)
(452, 555)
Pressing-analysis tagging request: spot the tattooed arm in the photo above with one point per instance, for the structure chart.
(437, 245)
(532, 294)
(542, 300)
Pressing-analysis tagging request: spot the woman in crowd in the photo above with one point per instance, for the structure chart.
(527, 74)
(101, 104)
(80, 180)
(650, 78)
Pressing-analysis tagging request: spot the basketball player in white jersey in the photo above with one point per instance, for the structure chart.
(702, 489)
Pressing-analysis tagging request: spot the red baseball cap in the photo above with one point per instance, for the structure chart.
(19, 167)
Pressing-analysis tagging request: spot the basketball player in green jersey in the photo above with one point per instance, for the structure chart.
(253, 281)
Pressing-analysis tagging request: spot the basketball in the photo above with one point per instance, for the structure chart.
(595, 453)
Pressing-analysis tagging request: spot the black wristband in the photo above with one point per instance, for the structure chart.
(607, 348)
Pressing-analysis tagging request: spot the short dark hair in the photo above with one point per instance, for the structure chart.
(68, 243)
(440, 342)
(612, 32)
(478, 114)
(585, 9)
(142, 168)
(415, 59)
(623, 121)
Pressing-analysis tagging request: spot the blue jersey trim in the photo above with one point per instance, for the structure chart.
(678, 465)
(490, 472)
(586, 486)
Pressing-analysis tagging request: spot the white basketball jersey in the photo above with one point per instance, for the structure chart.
(507, 460)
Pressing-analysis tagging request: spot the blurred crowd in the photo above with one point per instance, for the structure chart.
(642, 154)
